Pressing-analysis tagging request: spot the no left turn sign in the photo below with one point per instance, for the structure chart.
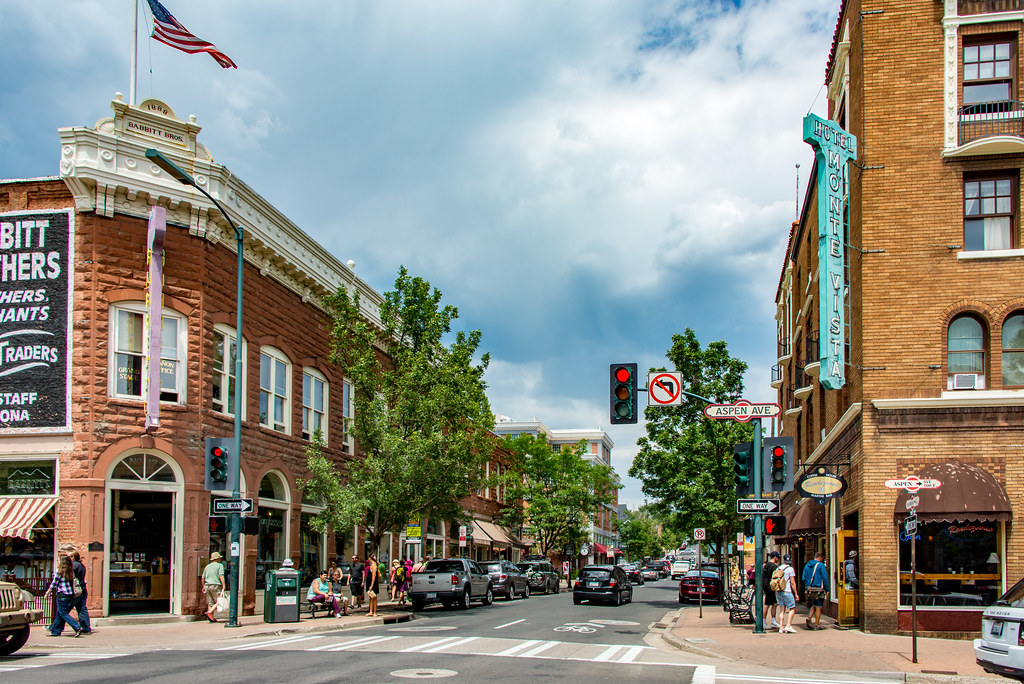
(665, 389)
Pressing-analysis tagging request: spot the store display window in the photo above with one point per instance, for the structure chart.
(958, 564)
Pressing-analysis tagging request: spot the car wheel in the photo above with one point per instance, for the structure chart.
(464, 600)
(547, 588)
(510, 593)
(577, 600)
(417, 605)
(526, 591)
(681, 599)
(489, 596)
(12, 641)
(618, 598)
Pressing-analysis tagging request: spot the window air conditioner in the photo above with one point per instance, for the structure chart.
(964, 381)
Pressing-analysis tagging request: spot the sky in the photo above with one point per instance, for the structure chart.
(581, 178)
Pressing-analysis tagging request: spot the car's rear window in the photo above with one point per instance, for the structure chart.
(536, 567)
(444, 566)
(595, 573)
(1014, 596)
(491, 567)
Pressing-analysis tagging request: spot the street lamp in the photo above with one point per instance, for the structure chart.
(182, 176)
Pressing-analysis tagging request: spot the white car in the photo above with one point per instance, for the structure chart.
(999, 649)
(680, 568)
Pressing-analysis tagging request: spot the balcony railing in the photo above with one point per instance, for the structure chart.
(991, 118)
(791, 399)
(812, 350)
(783, 348)
(965, 7)
(776, 374)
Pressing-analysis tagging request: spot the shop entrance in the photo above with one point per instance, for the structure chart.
(141, 529)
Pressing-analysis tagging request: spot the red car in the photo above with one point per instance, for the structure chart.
(700, 584)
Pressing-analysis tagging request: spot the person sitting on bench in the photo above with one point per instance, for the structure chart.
(320, 592)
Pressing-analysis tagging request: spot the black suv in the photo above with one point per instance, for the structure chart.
(542, 576)
(506, 577)
(602, 583)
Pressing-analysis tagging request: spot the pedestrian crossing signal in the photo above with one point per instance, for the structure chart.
(775, 525)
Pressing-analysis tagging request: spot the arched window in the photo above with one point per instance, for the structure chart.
(314, 404)
(1013, 351)
(966, 354)
(143, 467)
(275, 390)
(272, 540)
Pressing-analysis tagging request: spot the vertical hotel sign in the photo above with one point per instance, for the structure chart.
(154, 305)
(35, 321)
(833, 148)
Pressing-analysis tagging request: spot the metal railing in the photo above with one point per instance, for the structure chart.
(783, 348)
(812, 350)
(777, 373)
(991, 118)
(965, 7)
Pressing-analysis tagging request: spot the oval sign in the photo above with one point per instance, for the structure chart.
(821, 484)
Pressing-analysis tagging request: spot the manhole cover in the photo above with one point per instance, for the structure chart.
(424, 673)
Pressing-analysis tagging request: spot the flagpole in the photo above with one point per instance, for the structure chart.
(135, 54)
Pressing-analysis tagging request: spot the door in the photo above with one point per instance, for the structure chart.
(848, 595)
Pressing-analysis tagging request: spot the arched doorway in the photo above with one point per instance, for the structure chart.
(273, 512)
(143, 509)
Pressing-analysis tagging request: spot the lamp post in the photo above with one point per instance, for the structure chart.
(182, 176)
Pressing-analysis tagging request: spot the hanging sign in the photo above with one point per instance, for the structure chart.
(821, 484)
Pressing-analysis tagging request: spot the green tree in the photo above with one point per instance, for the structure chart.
(422, 423)
(685, 462)
(556, 493)
(638, 535)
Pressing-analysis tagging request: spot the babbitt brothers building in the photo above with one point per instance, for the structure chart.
(901, 316)
(104, 416)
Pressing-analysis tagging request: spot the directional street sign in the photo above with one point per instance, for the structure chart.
(913, 483)
(232, 505)
(664, 389)
(758, 506)
(912, 502)
(742, 410)
(910, 525)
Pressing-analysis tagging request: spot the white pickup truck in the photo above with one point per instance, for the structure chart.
(452, 582)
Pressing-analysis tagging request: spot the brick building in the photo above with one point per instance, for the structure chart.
(85, 458)
(900, 314)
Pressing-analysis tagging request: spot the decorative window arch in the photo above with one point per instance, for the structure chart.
(143, 467)
(1013, 350)
(965, 360)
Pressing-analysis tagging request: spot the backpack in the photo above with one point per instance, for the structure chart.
(76, 588)
(400, 573)
(778, 582)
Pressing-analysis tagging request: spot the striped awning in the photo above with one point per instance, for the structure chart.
(19, 515)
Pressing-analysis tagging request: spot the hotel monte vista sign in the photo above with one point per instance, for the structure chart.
(833, 149)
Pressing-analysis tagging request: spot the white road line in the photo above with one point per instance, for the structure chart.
(518, 647)
(895, 678)
(631, 654)
(538, 649)
(264, 644)
(509, 624)
(372, 641)
(429, 644)
(608, 653)
(450, 644)
(353, 642)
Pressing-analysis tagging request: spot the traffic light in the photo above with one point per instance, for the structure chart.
(775, 525)
(250, 524)
(219, 473)
(218, 524)
(743, 461)
(623, 393)
(778, 464)
(748, 527)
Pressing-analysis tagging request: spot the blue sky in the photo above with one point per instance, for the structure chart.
(581, 178)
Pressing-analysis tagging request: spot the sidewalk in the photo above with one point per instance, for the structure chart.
(115, 634)
(832, 649)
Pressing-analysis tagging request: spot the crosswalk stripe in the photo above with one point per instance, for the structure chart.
(518, 647)
(539, 649)
(429, 644)
(608, 653)
(373, 641)
(631, 654)
(355, 642)
(451, 644)
(264, 644)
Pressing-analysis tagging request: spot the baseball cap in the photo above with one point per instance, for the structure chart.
(773, 554)
(853, 554)
(787, 558)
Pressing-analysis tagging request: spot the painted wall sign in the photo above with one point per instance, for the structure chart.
(821, 484)
(35, 321)
(833, 148)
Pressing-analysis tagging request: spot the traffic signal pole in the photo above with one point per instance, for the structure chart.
(758, 534)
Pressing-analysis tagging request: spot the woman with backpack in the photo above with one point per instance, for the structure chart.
(394, 580)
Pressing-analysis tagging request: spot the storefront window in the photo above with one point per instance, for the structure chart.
(311, 557)
(29, 562)
(27, 478)
(958, 565)
(270, 543)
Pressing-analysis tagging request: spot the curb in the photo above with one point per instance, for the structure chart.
(669, 638)
(330, 626)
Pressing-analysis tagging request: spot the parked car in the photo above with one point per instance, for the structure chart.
(14, 617)
(542, 576)
(679, 568)
(452, 582)
(633, 574)
(507, 579)
(1001, 646)
(602, 583)
(697, 584)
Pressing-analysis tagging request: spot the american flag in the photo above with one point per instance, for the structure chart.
(169, 30)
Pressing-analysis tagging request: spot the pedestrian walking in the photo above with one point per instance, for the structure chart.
(355, 581)
(750, 575)
(770, 601)
(213, 584)
(372, 584)
(786, 594)
(815, 578)
(66, 587)
(81, 609)
(393, 579)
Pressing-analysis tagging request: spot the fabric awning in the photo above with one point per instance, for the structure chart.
(600, 549)
(479, 534)
(513, 538)
(618, 552)
(967, 493)
(19, 515)
(809, 518)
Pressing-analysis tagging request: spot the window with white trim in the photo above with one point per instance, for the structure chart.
(314, 404)
(224, 371)
(129, 353)
(965, 361)
(275, 390)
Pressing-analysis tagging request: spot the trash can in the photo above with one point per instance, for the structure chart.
(281, 597)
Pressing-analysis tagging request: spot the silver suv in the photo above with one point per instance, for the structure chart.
(14, 617)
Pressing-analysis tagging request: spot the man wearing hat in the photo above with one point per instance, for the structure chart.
(213, 583)
(850, 571)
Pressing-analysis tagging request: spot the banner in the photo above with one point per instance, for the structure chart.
(35, 321)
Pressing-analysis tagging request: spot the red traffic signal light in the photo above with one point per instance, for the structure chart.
(623, 393)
